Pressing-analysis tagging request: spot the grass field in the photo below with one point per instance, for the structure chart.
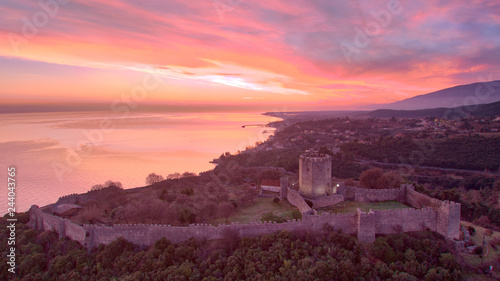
(352, 206)
(260, 205)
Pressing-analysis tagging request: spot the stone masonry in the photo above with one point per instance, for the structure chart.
(442, 217)
(315, 174)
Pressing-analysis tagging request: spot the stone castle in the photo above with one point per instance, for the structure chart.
(426, 213)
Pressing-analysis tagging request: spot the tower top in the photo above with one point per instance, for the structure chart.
(315, 157)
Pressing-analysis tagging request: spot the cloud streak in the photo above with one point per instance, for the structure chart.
(272, 51)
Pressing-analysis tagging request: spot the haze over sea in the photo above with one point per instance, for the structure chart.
(63, 153)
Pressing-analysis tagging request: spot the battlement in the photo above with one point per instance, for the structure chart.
(450, 203)
(331, 215)
(315, 174)
(427, 213)
(68, 196)
(370, 195)
(315, 157)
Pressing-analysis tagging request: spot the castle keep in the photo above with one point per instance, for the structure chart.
(315, 174)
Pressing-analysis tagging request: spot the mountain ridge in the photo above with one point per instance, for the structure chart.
(456, 96)
(480, 110)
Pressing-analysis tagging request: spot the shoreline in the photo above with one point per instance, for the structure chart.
(80, 184)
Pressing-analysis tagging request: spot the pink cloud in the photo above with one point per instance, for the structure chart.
(273, 46)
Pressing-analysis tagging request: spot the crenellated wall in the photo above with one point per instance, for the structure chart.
(448, 212)
(419, 200)
(405, 220)
(367, 226)
(370, 195)
(66, 228)
(70, 198)
(344, 221)
(448, 219)
(147, 234)
(440, 216)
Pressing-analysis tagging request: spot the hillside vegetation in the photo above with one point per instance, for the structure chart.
(474, 153)
(280, 256)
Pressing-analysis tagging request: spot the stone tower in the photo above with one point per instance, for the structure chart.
(315, 174)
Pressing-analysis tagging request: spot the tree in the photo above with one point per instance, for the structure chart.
(226, 209)
(270, 174)
(188, 174)
(110, 183)
(153, 178)
(325, 150)
(389, 180)
(369, 178)
(185, 215)
(97, 187)
(174, 176)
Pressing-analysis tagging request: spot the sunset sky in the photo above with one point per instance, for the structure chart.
(240, 54)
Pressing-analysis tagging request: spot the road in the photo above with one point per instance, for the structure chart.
(429, 167)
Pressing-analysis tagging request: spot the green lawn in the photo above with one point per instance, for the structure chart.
(260, 205)
(352, 206)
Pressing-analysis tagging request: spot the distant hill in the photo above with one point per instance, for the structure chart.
(481, 110)
(450, 97)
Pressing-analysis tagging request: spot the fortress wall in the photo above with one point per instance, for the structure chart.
(327, 201)
(259, 228)
(375, 195)
(148, 234)
(448, 220)
(347, 191)
(295, 199)
(138, 234)
(442, 217)
(369, 195)
(49, 222)
(65, 228)
(418, 200)
(74, 231)
(346, 222)
(405, 220)
(33, 213)
(367, 226)
(70, 198)
(141, 234)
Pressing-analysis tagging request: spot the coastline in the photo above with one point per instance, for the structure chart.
(220, 132)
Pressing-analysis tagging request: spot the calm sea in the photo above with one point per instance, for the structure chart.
(62, 153)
